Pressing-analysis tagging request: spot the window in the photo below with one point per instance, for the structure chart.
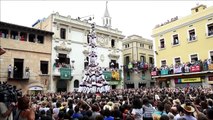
(210, 29)
(44, 67)
(18, 68)
(113, 64)
(32, 38)
(151, 60)
(141, 45)
(112, 43)
(143, 59)
(23, 36)
(14, 35)
(162, 43)
(40, 39)
(63, 33)
(3, 33)
(177, 60)
(211, 55)
(88, 38)
(175, 40)
(194, 58)
(150, 47)
(126, 46)
(192, 35)
(163, 63)
(76, 84)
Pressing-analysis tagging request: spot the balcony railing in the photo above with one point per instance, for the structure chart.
(17, 76)
(65, 71)
(112, 75)
(182, 69)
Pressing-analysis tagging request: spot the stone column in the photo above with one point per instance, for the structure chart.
(205, 81)
(163, 84)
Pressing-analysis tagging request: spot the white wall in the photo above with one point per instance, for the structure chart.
(77, 36)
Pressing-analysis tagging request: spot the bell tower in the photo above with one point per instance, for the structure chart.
(106, 18)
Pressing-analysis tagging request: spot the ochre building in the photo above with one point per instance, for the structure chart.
(183, 49)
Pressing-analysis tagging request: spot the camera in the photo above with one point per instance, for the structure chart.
(9, 93)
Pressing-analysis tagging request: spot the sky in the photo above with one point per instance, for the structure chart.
(130, 17)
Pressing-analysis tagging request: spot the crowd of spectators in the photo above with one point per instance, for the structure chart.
(123, 104)
(184, 67)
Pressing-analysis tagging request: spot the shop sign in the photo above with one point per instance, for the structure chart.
(190, 80)
(177, 80)
(195, 68)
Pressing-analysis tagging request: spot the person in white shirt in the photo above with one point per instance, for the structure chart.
(9, 71)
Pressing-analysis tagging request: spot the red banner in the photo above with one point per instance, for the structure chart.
(195, 68)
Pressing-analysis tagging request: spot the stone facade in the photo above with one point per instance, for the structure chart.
(70, 40)
(25, 53)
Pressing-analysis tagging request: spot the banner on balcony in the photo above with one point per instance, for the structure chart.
(154, 73)
(190, 80)
(210, 66)
(195, 68)
(164, 72)
(65, 73)
(107, 75)
(178, 70)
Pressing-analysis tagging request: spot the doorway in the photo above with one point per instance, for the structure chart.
(62, 85)
(113, 86)
(18, 68)
(130, 86)
(141, 85)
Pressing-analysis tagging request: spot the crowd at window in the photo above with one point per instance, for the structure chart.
(193, 66)
(22, 36)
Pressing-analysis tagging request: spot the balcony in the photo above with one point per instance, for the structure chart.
(64, 73)
(198, 67)
(19, 76)
(112, 75)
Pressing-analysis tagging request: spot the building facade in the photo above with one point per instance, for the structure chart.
(183, 49)
(70, 49)
(26, 62)
(138, 60)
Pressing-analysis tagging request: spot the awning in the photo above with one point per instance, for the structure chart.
(35, 88)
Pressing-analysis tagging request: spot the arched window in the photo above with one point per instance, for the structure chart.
(76, 84)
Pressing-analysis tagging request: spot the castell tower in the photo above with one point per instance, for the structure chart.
(93, 81)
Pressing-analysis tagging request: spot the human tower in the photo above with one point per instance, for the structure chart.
(93, 81)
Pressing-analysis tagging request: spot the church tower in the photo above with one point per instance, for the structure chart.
(106, 18)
